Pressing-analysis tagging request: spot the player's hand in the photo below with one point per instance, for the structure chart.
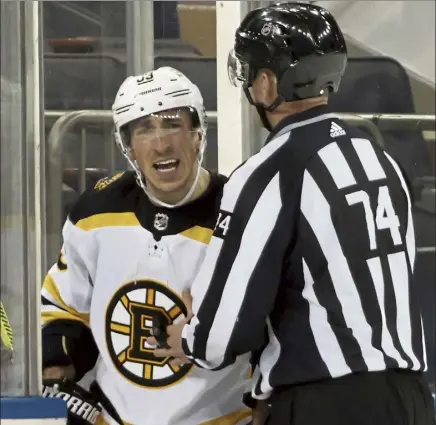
(58, 372)
(174, 339)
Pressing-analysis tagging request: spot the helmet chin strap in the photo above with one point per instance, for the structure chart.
(262, 109)
(141, 183)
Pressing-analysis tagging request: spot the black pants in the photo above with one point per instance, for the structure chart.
(374, 398)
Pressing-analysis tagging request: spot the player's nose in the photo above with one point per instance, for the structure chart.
(162, 146)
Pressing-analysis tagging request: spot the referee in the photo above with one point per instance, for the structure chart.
(311, 267)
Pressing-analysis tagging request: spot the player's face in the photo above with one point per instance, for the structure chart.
(166, 148)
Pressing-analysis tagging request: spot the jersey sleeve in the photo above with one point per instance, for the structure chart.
(235, 290)
(65, 305)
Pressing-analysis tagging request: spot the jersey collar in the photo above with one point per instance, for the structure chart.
(300, 116)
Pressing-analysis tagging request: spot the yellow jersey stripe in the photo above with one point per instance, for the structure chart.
(50, 286)
(108, 220)
(199, 234)
(50, 316)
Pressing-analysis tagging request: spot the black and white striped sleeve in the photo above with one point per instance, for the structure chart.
(234, 292)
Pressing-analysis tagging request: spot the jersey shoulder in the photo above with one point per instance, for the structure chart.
(329, 130)
(328, 136)
(114, 194)
(350, 157)
(217, 182)
(204, 210)
(106, 181)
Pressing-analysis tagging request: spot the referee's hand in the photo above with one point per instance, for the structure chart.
(260, 413)
(174, 339)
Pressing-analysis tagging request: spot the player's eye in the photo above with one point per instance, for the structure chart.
(145, 129)
(172, 124)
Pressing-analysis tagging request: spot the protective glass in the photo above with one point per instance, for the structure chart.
(238, 70)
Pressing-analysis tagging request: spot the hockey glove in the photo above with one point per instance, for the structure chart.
(83, 407)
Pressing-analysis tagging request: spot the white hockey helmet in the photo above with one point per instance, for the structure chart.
(160, 90)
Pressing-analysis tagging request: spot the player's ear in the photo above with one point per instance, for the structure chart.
(132, 155)
(197, 140)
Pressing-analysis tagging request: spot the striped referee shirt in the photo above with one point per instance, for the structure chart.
(311, 264)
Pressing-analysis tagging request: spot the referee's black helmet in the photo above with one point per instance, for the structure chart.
(300, 43)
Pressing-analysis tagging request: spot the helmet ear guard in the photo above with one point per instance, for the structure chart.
(304, 81)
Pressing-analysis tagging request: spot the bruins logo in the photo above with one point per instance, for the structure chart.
(106, 181)
(128, 323)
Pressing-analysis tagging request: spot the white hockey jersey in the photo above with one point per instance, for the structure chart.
(123, 262)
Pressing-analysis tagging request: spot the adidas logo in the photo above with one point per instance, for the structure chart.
(336, 130)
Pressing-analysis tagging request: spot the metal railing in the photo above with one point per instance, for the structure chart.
(63, 122)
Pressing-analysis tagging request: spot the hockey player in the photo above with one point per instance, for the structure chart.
(131, 246)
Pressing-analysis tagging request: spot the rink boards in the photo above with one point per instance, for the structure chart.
(32, 411)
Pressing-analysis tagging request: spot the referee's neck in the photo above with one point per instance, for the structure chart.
(286, 109)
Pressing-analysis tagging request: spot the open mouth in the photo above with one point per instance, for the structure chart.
(167, 165)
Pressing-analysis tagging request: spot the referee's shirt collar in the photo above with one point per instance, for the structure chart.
(300, 116)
